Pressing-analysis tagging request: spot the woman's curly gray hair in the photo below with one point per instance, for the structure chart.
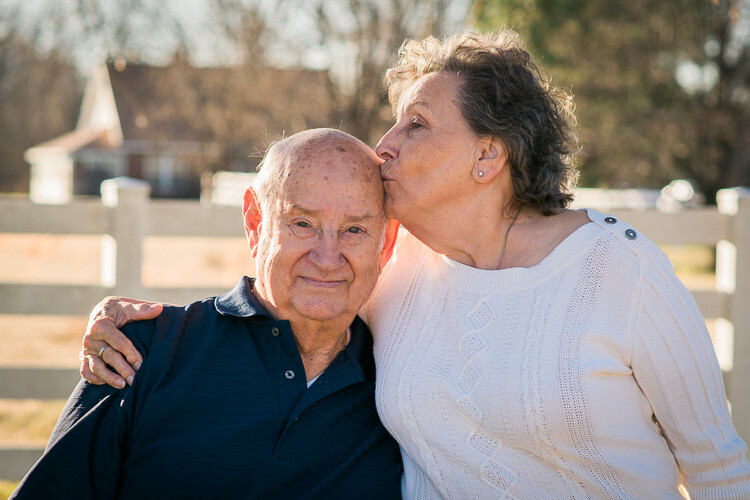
(504, 95)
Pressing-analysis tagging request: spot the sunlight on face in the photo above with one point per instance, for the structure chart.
(429, 152)
(319, 244)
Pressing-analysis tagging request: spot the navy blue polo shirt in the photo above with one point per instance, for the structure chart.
(220, 409)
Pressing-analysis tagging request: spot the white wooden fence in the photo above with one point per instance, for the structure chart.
(125, 216)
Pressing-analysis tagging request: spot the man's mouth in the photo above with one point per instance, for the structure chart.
(322, 283)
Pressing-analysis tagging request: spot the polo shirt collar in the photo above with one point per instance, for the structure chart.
(240, 301)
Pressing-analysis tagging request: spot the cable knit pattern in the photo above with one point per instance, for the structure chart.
(472, 345)
(589, 375)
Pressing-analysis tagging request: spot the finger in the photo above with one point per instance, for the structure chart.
(124, 310)
(99, 369)
(87, 374)
(101, 350)
(122, 345)
(102, 331)
(116, 360)
(121, 311)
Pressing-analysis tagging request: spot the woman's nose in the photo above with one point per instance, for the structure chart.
(386, 148)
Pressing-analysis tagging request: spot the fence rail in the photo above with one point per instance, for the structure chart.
(125, 217)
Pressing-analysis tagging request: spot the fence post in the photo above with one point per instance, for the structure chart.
(122, 248)
(733, 276)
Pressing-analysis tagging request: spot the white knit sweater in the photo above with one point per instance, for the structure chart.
(589, 375)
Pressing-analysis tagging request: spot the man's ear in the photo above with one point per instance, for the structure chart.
(252, 216)
(389, 241)
(493, 157)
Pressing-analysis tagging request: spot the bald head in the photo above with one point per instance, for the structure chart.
(322, 149)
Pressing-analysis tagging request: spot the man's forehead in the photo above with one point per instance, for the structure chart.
(332, 154)
(323, 182)
(312, 165)
(322, 188)
(319, 162)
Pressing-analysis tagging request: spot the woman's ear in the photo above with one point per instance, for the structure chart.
(493, 155)
(252, 215)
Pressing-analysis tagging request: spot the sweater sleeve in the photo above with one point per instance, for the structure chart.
(676, 367)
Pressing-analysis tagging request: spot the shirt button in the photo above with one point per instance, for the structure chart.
(289, 374)
(631, 234)
(610, 220)
(275, 331)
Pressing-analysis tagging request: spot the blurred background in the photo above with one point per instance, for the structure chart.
(661, 87)
(185, 95)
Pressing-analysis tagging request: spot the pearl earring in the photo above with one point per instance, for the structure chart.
(481, 174)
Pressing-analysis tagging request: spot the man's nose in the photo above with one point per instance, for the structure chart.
(386, 148)
(327, 252)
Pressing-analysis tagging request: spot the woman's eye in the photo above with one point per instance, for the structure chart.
(415, 123)
(355, 230)
(302, 223)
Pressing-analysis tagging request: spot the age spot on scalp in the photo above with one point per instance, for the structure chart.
(340, 149)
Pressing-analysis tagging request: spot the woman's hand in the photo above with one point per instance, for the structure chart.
(104, 344)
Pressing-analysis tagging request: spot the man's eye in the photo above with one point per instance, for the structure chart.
(415, 123)
(354, 235)
(302, 229)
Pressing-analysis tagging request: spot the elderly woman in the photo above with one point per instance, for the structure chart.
(525, 350)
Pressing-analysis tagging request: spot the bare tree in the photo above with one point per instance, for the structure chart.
(39, 96)
(339, 50)
(354, 41)
(361, 39)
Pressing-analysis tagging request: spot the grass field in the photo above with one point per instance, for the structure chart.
(56, 340)
(6, 488)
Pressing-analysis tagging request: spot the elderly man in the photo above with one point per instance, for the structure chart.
(290, 411)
